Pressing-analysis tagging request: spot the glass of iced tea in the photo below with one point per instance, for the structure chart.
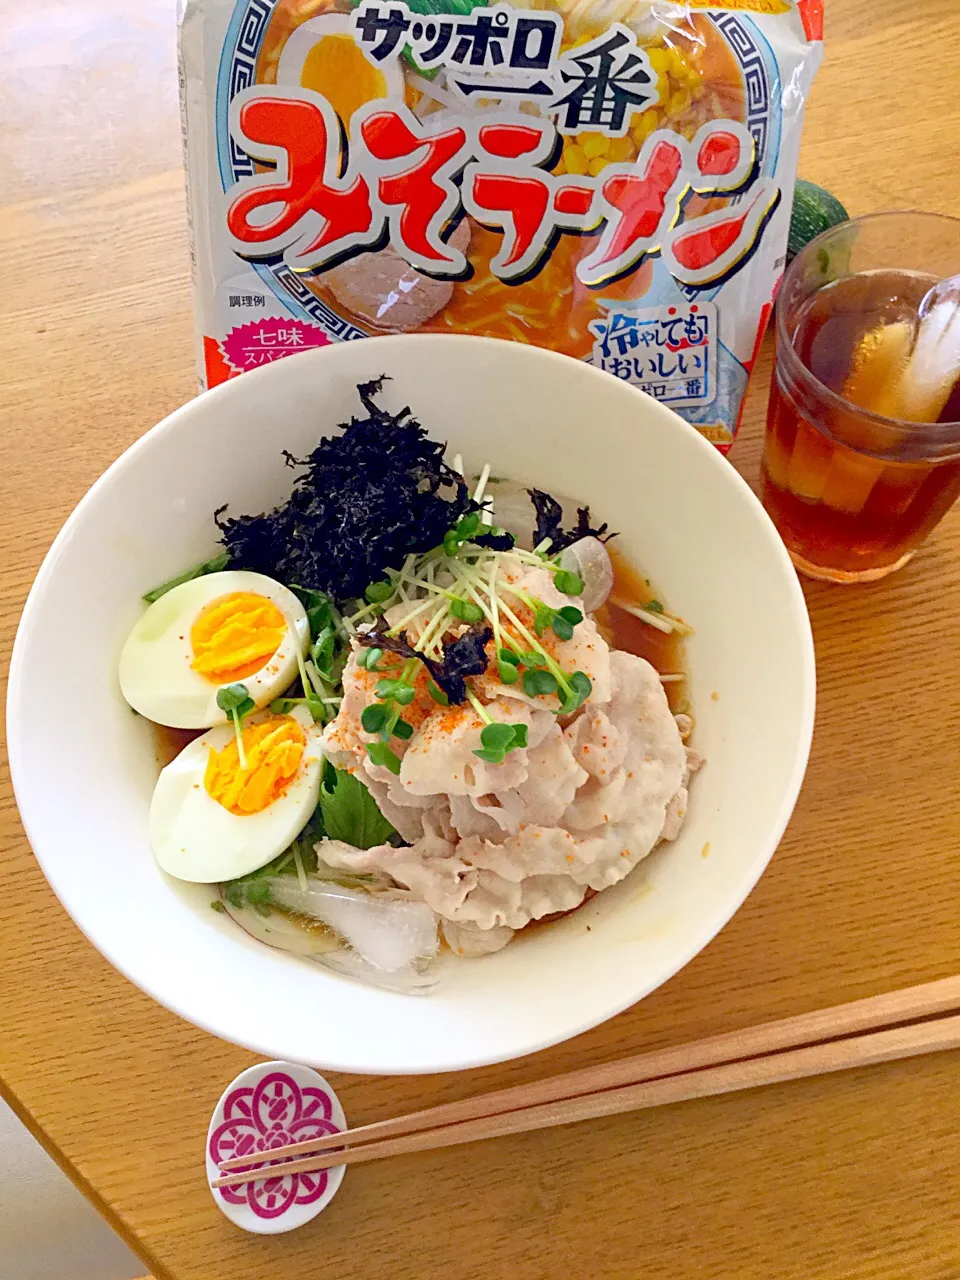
(862, 451)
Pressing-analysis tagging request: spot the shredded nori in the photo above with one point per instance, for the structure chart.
(465, 656)
(549, 523)
(462, 657)
(368, 498)
(495, 541)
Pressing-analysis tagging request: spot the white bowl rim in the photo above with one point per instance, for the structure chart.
(233, 387)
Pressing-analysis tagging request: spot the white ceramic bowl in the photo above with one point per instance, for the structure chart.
(84, 767)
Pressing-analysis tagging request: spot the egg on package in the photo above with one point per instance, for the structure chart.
(224, 628)
(323, 54)
(214, 817)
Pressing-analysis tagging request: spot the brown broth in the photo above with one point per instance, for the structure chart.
(622, 630)
(168, 743)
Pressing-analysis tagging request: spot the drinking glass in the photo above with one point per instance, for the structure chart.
(853, 492)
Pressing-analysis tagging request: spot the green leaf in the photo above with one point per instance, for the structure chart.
(519, 735)
(323, 650)
(580, 690)
(428, 73)
(283, 706)
(571, 614)
(562, 629)
(537, 684)
(315, 705)
(391, 722)
(507, 655)
(436, 8)
(569, 583)
(497, 737)
(381, 754)
(235, 697)
(369, 658)
(653, 606)
(216, 564)
(398, 690)
(403, 730)
(249, 891)
(378, 592)
(350, 812)
(374, 717)
(437, 694)
(466, 611)
(508, 673)
(542, 619)
(258, 893)
(490, 755)
(468, 526)
(317, 607)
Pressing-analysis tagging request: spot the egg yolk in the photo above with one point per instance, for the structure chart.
(235, 636)
(336, 67)
(273, 750)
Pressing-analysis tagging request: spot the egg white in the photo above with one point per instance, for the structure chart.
(299, 43)
(195, 838)
(155, 672)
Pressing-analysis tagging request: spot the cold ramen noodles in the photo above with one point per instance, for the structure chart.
(407, 712)
(612, 180)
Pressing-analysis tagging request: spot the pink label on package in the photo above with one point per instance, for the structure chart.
(263, 341)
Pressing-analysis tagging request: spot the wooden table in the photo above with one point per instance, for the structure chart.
(850, 1176)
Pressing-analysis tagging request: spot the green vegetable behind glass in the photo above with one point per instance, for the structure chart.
(216, 564)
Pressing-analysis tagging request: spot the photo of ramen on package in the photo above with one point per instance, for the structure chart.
(608, 178)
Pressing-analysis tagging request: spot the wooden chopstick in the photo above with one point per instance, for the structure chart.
(792, 1064)
(874, 1012)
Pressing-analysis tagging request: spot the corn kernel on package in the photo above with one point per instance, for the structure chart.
(609, 178)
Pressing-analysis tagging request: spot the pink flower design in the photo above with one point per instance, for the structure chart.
(257, 1120)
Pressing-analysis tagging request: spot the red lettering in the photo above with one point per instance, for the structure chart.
(574, 200)
(707, 249)
(719, 154)
(514, 192)
(696, 249)
(638, 203)
(426, 204)
(403, 173)
(525, 201)
(509, 140)
(301, 130)
(641, 201)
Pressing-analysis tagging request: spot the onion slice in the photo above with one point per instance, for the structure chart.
(590, 560)
(280, 932)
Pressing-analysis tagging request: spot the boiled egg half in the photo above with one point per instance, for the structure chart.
(213, 817)
(322, 54)
(225, 628)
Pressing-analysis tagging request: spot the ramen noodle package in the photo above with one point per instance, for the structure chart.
(609, 178)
